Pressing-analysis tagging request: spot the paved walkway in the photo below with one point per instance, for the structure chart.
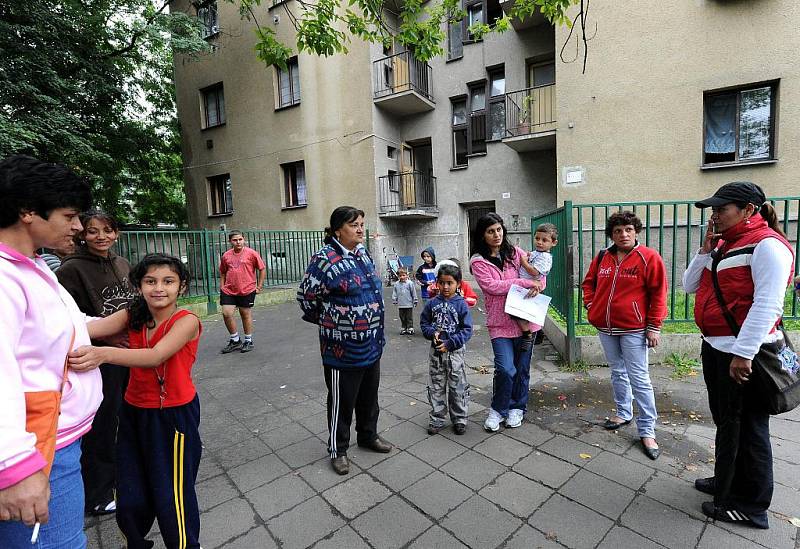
(560, 480)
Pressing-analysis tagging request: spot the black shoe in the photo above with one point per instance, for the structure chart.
(378, 445)
(231, 346)
(410, 331)
(610, 425)
(705, 485)
(247, 346)
(433, 429)
(729, 514)
(459, 428)
(341, 465)
(104, 509)
(527, 342)
(652, 453)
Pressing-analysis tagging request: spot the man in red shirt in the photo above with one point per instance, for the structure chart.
(238, 289)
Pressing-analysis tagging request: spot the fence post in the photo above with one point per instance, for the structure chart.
(208, 272)
(569, 268)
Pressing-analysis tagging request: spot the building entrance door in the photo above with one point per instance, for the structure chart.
(474, 213)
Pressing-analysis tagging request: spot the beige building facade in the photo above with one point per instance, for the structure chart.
(675, 101)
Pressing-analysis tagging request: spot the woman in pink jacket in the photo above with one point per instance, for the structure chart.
(495, 265)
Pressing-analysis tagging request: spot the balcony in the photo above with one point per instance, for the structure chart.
(403, 85)
(531, 119)
(408, 195)
(530, 21)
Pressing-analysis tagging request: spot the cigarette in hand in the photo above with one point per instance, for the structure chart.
(35, 535)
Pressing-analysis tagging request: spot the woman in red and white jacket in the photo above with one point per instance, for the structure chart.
(625, 292)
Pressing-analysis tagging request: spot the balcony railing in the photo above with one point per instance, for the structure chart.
(531, 111)
(408, 191)
(400, 73)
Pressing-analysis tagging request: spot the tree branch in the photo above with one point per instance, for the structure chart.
(120, 52)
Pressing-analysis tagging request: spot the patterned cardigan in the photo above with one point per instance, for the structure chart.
(341, 293)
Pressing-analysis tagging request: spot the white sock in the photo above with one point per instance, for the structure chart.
(235, 337)
(248, 337)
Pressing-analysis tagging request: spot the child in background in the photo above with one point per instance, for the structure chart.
(425, 272)
(797, 286)
(404, 295)
(465, 289)
(446, 321)
(536, 265)
(158, 439)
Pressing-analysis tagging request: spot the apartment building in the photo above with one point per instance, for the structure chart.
(675, 101)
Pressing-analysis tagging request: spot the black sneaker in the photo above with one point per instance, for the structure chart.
(247, 346)
(460, 428)
(705, 485)
(433, 429)
(729, 514)
(231, 346)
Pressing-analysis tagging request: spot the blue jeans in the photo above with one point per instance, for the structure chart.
(65, 527)
(630, 378)
(512, 374)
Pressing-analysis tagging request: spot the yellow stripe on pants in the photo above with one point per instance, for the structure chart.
(177, 487)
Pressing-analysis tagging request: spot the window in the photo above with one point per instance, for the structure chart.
(474, 15)
(459, 124)
(738, 125)
(207, 14)
(455, 40)
(294, 184)
(477, 118)
(289, 84)
(497, 104)
(391, 152)
(213, 106)
(220, 195)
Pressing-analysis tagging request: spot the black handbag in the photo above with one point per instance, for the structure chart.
(776, 378)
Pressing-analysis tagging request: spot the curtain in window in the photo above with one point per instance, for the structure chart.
(720, 124)
(300, 181)
(455, 42)
(285, 87)
(295, 70)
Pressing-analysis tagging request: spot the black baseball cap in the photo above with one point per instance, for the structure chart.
(737, 191)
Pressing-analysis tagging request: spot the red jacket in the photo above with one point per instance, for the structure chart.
(629, 296)
(466, 290)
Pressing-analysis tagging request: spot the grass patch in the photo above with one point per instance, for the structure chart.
(579, 366)
(683, 366)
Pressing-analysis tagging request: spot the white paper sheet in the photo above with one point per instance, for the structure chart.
(533, 309)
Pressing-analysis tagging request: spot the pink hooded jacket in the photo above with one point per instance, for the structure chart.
(495, 286)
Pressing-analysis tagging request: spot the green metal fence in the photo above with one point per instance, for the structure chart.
(674, 229)
(285, 253)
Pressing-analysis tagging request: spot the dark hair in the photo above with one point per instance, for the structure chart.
(548, 228)
(101, 216)
(451, 270)
(767, 211)
(623, 218)
(479, 246)
(139, 313)
(30, 185)
(339, 217)
(402, 271)
(233, 233)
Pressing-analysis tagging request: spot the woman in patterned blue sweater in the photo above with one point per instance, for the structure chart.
(341, 293)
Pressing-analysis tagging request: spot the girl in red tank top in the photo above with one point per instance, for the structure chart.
(158, 439)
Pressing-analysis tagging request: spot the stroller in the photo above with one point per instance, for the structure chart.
(393, 264)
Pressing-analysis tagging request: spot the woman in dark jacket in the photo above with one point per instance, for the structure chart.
(97, 279)
(341, 293)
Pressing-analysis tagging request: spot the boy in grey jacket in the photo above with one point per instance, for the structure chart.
(404, 295)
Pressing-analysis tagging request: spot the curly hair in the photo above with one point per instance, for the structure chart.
(623, 218)
(138, 311)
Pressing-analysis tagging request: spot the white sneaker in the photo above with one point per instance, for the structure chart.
(514, 418)
(492, 423)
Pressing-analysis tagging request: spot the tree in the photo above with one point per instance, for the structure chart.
(89, 84)
(325, 27)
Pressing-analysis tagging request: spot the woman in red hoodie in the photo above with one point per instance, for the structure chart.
(625, 292)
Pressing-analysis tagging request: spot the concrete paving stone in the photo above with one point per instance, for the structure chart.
(279, 495)
(570, 450)
(108, 535)
(304, 409)
(786, 501)
(320, 476)
(344, 538)
(223, 436)
(248, 450)
(415, 390)
(266, 422)
(436, 450)
(387, 420)
(786, 473)
(473, 469)
(784, 429)
(421, 420)
(437, 494)
(620, 469)
(529, 538)
(476, 409)
(258, 472)
(289, 398)
(475, 433)
(620, 537)
(225, 522)
(666, 462)
(214, 491)
(436, 537)
(503, 449)
(662, 524)
(786, 450)
(305, 524)
(317, 424)
(303, 452)
(781, 534)
(391, 524)
(573, 524)
(408, 407)
(208, 468)
(677, 493)
(257, 537)
(516, 494)
(286, 435)
(701, 430)
(400, 470)
(404, 434)
(546, 469)
(715, 537)
(529, 433)
(389, 381)
(245, 404)
(610, 441)
(597, 493)
(365, 458)
(356, 495)
(493, 526)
